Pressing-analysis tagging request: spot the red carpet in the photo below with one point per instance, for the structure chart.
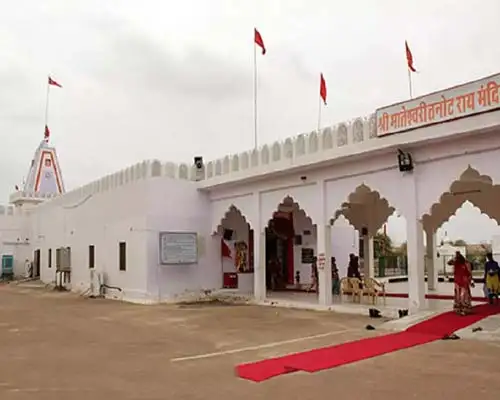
(435, 297)
(333, 356)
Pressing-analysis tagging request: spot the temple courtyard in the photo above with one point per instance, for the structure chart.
(61, 346)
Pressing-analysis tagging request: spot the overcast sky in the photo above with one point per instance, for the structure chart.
(173, 79)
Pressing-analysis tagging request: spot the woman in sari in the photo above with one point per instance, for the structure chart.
(462, 275)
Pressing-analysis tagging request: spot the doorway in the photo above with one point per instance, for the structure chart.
(36, 264)
(279, 252)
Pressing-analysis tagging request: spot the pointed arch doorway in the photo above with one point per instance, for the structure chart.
(237, 251)
(290, 247)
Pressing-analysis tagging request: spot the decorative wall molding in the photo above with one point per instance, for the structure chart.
(343, 134)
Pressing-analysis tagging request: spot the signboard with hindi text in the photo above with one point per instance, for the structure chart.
(460, 101)
(178, 248)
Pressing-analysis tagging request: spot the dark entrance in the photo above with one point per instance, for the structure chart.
(36, 264)
(279, 251)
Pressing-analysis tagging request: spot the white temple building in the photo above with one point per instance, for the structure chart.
(159, 230)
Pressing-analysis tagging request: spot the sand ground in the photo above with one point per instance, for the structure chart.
(60, 346)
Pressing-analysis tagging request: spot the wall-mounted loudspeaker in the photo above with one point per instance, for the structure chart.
(405, 161)
(228, 234)
(364, 231)
(198, 162)
(200, 168)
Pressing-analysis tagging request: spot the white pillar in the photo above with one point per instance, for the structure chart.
(432, 273)
(324, 271)
(415, 249)
(369, 256)
(259, 254)
(323, 248)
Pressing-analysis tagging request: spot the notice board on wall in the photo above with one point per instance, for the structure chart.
(307, 255)
(178, 248)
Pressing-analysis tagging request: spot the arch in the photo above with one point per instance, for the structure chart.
(358, 134)
(288, 148)
(300, 145)
(313, 142)
(232, 216)
(137, 171)
(327, 138)
(183, 171)
(365, 208)
(155, 168)
(372, 126)
(239, 242)
(264, 155)
(244, 160)
(210, 169)
(144, 169)
(170, 170)
(246, 205)
(342, 139)
(307, 196)
(288, 204)
(254, 158)
(470, 186)
(235, 163)
(287, 222)
(218, 167)
(276, 151)
(225, 165)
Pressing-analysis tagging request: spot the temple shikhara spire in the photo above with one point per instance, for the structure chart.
(44, 178)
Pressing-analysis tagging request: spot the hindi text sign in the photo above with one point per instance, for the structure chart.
(178, 248)
(461, 101)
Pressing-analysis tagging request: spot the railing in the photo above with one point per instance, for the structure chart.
(386, 266)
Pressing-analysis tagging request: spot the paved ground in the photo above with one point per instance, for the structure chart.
(58, 346)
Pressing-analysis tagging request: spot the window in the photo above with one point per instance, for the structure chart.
(49, 257)
(123, 256)
(91, 256)
(58, 258)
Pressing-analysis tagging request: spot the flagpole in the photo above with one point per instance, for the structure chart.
(255, 95)
(47, 104)
(319, 115)
(409, 83)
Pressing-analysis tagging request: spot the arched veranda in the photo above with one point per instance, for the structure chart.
(290, 246)
(236, 250)
(368, 217)
(470, 188)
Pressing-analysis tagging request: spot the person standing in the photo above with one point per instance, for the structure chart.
(462, 275)
(492, 278)
(314, 275)
(335, 278)
(353, 268)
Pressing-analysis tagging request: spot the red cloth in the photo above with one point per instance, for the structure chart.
(46, 134)
(54, 83)
(322, 88)
(409, 58)
(462, 274)
(259, 41)
(225, 251)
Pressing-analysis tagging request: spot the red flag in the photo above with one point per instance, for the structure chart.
(225, 251)
(322, 88)
(258, 41)
(46, 134)
(409, 58)
(54, 83)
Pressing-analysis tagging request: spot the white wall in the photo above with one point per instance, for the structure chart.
(15, 237)
(175, 205)
(103, 220)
